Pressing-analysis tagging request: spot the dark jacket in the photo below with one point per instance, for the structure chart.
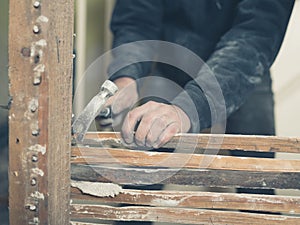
(238, 40)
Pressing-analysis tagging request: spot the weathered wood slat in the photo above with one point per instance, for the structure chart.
(200, 141)
(40, 74)
(179, 160)
(83, 223)
(197, 177)
(177, 215)
(206, 200)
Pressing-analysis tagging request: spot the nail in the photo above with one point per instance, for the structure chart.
(34, 158)
(33, 182)
(36, 29)
(35, 132)
(36, 4)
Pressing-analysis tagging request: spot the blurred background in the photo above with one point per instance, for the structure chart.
(93, 38)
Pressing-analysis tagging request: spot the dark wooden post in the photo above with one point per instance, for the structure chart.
(40, 73)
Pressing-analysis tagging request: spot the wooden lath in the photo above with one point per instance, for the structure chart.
(208, 141)
(193, 199)
(100, 163)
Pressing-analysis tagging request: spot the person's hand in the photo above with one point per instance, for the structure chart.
(123, 100)
(154, 124)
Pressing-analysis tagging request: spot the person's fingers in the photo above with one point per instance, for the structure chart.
(159, 124)
(145, 129)
(140, 116)
(167, 135)
(153, 124)
(130, 122)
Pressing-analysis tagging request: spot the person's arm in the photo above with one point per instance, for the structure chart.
(242, 56)
(132, 21)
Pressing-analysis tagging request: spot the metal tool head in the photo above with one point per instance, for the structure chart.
(93, 108)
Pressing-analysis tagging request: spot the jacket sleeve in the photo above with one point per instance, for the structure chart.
(241, 58)
(133, 21)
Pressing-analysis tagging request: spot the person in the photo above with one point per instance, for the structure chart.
(238, 41)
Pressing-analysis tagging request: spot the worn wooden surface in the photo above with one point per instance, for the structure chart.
(82, 223)
(190, 142)
(196, 177)
(40, 73)
(102, 156)
(208, 200)
(178, 215)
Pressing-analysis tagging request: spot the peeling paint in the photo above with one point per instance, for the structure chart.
(166, 202)
(41, 43)
(38, 70)
(35, 128)
(38, 148)
(42, 19)
(37, 195)
(38, 171)
(33, 105)
(98, 189)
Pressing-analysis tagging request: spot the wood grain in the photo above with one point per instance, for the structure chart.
(196, 177)
(101, 156)
(177, 215)
(40, 73)
(206, 200)
(190, 142)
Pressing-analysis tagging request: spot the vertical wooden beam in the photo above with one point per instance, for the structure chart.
(40, 73)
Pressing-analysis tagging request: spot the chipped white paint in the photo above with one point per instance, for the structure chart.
(27, 115)
(41, 43)
(165, 202)
(33, 105)
(35, 47)
(39, 68)
(38, 148)
(37, 195)
(98, 189)
(42, 19)
(38, 171)
(78, 207)
(34, 126)
(36, 220)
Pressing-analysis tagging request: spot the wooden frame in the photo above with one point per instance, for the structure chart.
(40, 73)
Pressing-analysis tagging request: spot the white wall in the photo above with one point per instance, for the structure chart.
(286, 80)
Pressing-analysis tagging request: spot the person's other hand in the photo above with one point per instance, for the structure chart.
(123, 100)
(154, 124)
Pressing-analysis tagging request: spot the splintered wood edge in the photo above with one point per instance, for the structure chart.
(188, 199)
(207, 141)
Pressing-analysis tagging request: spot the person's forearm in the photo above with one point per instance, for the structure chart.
(243, 55)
